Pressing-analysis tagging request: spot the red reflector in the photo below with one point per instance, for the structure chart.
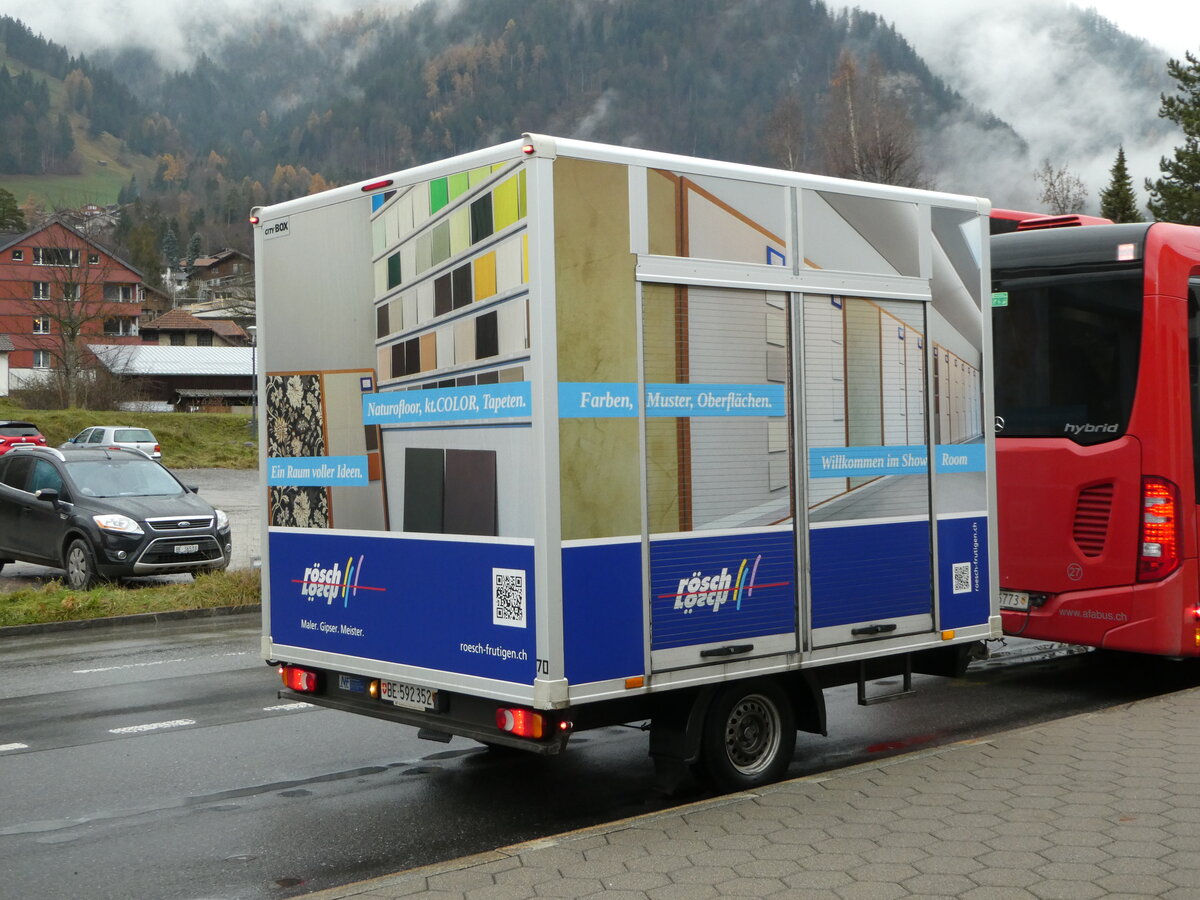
(376, 185)
(521, 722)
(1159, 553)
(529, 149)
(254, 220)
(297, 679)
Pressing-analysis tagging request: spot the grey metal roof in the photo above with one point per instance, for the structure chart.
(155, 359)
(6, 343)
(214, 392)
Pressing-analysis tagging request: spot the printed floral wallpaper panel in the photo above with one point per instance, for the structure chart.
(295, 428)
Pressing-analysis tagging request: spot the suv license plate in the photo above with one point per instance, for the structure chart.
(1015, 600)
(187, 548)
(409, 696)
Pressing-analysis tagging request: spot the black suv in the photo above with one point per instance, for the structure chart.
(106, 513)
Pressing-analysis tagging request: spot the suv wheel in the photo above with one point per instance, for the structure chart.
(81, 566)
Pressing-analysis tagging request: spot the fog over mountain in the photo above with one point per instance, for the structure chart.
(1071, 84)
(1074, 100)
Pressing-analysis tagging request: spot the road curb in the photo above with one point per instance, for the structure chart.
(136, 619)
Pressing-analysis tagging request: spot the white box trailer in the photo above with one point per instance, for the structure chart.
(559, 435)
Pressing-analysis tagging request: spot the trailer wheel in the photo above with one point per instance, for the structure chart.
(749, 735)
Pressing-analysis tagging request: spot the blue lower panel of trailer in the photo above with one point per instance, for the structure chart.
(963, 588)
(863, 573)
(455, 606)
(723, 588)
(603, 624)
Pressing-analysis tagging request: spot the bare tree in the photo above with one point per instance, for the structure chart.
(83, 292)
(868, 133)
(785, 133)
(1063, 191)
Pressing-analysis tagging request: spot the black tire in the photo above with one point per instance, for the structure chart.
(749, 735)
(80, 565)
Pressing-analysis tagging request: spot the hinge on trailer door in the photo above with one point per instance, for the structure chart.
(906, 689)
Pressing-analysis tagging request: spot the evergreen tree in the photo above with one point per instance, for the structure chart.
(193, 250)
(11, 217)
(170, 248)
(1118, 201)
(1176, 196)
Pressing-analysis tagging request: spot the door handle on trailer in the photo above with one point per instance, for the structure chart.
(728, 651)
(873, 629)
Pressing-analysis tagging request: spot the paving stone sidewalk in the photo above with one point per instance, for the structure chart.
(1098, 805)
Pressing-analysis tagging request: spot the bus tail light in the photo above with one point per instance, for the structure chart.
(1159, 554)
(297, 679)
(521, 722)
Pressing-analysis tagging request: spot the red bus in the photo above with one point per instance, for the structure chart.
(1096, 336)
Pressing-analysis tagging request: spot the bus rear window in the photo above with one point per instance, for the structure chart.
(1066, 349)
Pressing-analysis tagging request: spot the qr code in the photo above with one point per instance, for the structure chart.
(508, 597)
(961, 572)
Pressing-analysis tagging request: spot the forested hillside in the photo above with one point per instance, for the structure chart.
(285, 108)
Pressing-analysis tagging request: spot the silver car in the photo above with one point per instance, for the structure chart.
(101, 436)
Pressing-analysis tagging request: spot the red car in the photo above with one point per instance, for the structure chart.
(13, 433)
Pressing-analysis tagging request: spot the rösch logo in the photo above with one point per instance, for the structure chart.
(332, 582)
(714, 590)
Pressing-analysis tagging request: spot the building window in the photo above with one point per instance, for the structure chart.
(176, 340)
(41, 290)
(93, 259)
(41, 324)
(119, 293)
(55, 256)
(41, 359)
(204, 339)
(70, 292)
(18, 256)
(120, 325)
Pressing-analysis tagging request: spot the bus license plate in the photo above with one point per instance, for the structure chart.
(1015, 600)
(187, 548)
(409, 696)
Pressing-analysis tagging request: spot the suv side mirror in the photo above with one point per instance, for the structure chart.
(49, 495)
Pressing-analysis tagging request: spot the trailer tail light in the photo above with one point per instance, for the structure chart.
(521, 722)
(297, 679)
(1159, 554)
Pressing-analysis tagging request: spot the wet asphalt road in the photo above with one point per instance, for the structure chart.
(234, 490)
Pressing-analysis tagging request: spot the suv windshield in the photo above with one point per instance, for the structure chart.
(122, 478)
(1067, 332)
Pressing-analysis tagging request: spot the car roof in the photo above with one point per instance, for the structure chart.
(18, 422)
(82, 454)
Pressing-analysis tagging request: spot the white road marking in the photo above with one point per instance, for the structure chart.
(158, 662)
(152, 726)
(4, 747)
(284, 706)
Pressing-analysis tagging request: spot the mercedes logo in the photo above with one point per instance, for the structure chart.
(999, 423)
